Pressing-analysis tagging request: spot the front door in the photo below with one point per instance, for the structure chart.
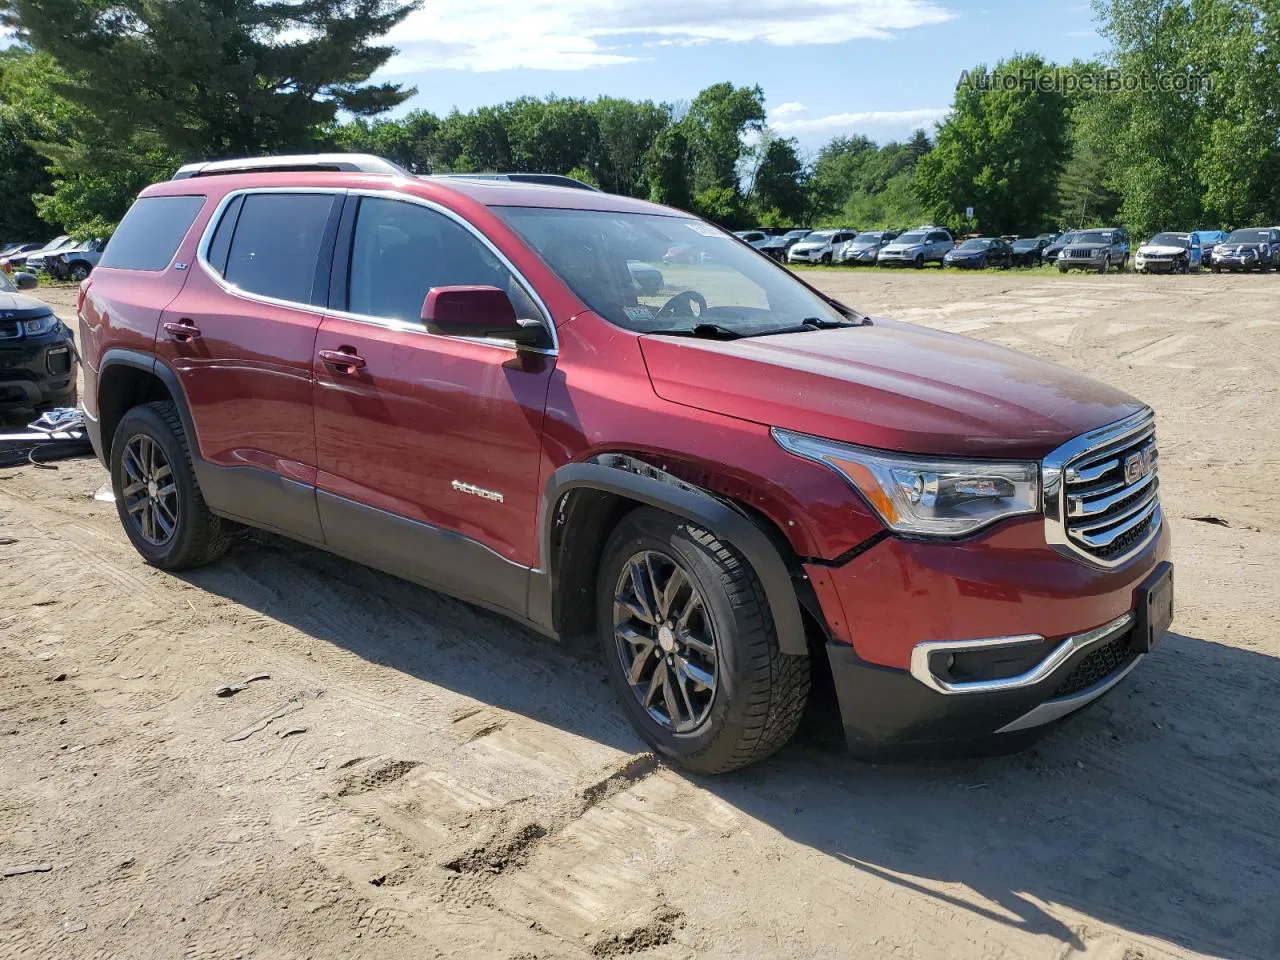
(427, 446)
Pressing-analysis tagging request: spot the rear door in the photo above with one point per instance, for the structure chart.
(240, 337)
(143, 268)
(427, 446)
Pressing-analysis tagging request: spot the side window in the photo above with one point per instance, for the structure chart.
(401, 250)
(151, 232)
(275, 249)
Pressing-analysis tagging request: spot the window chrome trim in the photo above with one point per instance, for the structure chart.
(922, 653)
(387, 323)
(1055, 472)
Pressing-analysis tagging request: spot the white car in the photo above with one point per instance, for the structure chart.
(1169, 252)
(820, 246)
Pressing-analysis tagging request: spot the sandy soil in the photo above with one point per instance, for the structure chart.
(435, 782)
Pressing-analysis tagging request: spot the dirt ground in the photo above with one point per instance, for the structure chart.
(435, 782)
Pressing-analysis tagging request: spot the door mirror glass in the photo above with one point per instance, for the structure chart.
(476, 311)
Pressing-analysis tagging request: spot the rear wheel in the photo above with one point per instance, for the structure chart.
(157, 496)
(689, 645)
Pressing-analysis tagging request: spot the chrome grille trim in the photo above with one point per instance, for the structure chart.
(1088, 504)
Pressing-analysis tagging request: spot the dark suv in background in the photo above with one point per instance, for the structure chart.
(735, 482)
(37, 352)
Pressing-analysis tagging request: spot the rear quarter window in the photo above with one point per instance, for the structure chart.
(151, 232)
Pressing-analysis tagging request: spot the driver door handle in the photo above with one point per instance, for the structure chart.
(183, 331)
(343, 360)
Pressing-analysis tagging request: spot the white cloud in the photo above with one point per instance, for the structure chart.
(489, 35)
(854, 121)
(790, 108)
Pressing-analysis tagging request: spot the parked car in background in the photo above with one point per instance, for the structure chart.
(1208, 240)
(1050, 253)
(35, 260)
(1098, 250)
(1169, 253)
(916, 248)
(820, 246)
(75, 262)
(865, 247)
(970, 539)
(979, 253)
(37, 352)
(14, 247)
(777, 246)
(1253, 248)
(1026, 251)
(755, 238)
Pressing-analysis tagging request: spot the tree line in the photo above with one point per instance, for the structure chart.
(97, 101)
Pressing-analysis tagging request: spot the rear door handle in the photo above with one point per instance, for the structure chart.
(182, 331)
(343, 360)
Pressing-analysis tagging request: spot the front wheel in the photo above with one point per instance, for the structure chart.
(79, 272)
(919, 261)
(157, 496)
(1105, 265)
(690, 648)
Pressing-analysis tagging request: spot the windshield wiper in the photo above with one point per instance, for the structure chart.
(822, 323)
(703, 331)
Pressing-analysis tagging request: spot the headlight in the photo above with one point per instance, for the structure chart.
(926, 497)
(33, 328)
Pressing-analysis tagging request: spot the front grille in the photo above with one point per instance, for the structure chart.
(1102, 492)
(1096, 666)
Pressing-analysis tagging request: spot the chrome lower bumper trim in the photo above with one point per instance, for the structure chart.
(1052, 710)
(922, 654)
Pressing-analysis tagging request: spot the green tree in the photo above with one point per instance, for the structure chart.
(779, 182)
(1000, 151)
(666, 168)
(25, 170)
(834, 171)
(627, 130)
(225, 78)
(410, 141)
(718, 119)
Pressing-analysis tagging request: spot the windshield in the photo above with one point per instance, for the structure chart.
(868, 238)
(1025, 244)
(975, 245)
(1067, 238)
(1170, 240)
(712, 281)
(911, 238)
(1092, 236)
(1248, 236)
(819, 236)
(797, 234)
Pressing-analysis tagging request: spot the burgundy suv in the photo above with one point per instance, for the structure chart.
(500, 390)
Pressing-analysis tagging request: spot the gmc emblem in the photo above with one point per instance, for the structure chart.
(1138, 465)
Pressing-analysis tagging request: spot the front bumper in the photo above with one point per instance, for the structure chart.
(1064, 630)
(1234, 261)
(1157, 264)
(893, 259)
(1081, 263)
(37, 370)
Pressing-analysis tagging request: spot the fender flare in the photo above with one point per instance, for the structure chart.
(656, 489)
(122, 357)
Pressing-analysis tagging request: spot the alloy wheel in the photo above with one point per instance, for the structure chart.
(149, 491)
(665, 641)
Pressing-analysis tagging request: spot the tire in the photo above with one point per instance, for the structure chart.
(758, 694)
(919, 261)
(1216, 269)
(1105, 265)
(79, 271)
(826, 258)
(1062, 269)
(196, 536)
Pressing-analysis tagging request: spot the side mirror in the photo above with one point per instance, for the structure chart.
(25, 281)
(477, 311)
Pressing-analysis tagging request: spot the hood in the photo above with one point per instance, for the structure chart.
(965, 254)
(15, 306)
(896, 247)
(1161, 250)
(1240, 247)
(810, 245)
(890, 385)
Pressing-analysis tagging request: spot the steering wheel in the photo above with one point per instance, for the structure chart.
(685, 299)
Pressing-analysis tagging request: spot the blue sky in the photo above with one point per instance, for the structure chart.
(828, 67)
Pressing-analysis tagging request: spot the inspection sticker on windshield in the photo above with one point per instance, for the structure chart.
(704, 229)
(638, 314)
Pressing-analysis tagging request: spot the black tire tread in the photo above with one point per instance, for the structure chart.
(209, 536)
(777, 696)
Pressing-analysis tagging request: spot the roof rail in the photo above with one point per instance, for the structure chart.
(546, 179)
(337, 162)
